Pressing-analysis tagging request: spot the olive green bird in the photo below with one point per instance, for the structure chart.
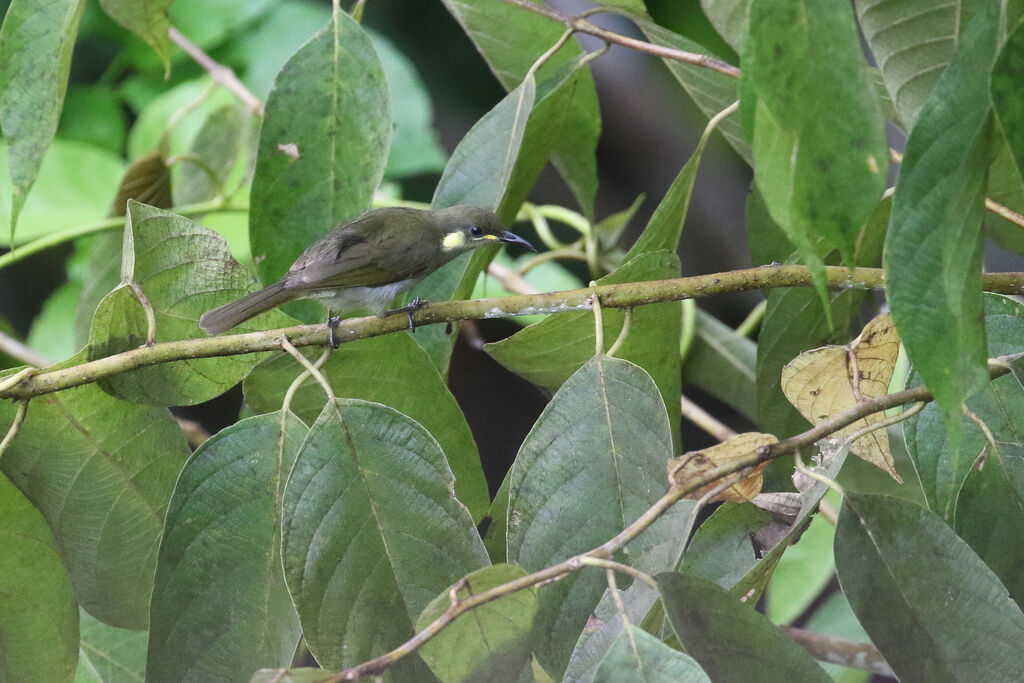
(365, 263)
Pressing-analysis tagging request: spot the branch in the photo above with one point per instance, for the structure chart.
(19, 351)
(826, 648)
(580, 24)
(623, 295)
(220, 74)
(606, 551)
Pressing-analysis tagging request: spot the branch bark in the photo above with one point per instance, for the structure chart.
(624, 295)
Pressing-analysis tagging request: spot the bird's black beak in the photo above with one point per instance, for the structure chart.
(513, 238)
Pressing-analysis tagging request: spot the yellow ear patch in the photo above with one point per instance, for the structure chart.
(453, 240)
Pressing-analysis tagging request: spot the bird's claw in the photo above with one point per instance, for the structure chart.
(332, 326)
(413, 306)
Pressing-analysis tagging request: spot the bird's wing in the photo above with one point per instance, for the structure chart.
(353, 260)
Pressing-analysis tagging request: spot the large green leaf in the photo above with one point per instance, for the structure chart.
(493, 27)
(478, 174)
(638, 656)
(943, 470)
(933, 248)
(819, 137)
(492, 644)
(323, 147)
(710, 90)
(56, 202)
(216, 146)
(393, 370)
(147, 19)
(38, 616)
(107, 654)
(729, 639)
(220, 606)
(184, 270)
(36, 41)
(548, 352)
(594, 461)
(930, 604)
(1007, 76)
(101, 471)
(730, 18)
(913, 42)
(371, 533)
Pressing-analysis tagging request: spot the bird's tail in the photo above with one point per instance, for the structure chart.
(224, 318)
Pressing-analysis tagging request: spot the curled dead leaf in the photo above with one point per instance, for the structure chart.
(824, 382)
(689, 466)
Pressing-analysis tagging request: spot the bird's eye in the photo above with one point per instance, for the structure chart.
(476, 231)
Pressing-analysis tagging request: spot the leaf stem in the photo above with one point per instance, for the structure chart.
(222, 75)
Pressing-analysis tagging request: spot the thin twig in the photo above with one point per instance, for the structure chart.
(587, 561)
(20, 352)
(221, 74)
(581, 24)
(310, 368)
(627, 322)
(510, 279)
(19, 419)
(705, 420)
(849, 653)
(622, 295)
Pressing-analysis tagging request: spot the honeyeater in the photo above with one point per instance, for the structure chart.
(364, 263)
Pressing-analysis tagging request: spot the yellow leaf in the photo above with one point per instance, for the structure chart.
(826, 381)
(689, 466)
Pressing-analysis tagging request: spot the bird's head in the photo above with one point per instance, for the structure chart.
(467, 227)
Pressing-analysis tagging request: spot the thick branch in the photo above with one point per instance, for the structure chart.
(624, 295)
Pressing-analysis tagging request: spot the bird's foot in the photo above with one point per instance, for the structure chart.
(414, 305)
(332, 326)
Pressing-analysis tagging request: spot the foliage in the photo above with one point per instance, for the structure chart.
(342, 520)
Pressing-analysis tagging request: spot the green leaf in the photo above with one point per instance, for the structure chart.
(593, 462)
(94, 114)
(819, 136)
(1007, 74)
(220, 606)
(301, 675)
(548, 352)
(710, 90)
(639, 656)
(730, 18)
(478, 174)
(913, 42)
(36, 41)
(835, 618)
(722, 363)
(656, 550)
(152, 131)
(184, 270)
(323, 146)
(547, 131)
(933, 247)
(481, 166)
(610, 229)
(38, 616)
(415, 146)
(101, 471)
(63, 197)
(393, 370)
(493, 27)
(728, 638)
(739, 546)
(207, 23)
(802, 573)
(929, 603)
(492, 643)
(217, 146)
(371, 533)
(107, 654)
(147, 19)
(943, 470)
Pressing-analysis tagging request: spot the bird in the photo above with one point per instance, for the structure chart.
(364, 263)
